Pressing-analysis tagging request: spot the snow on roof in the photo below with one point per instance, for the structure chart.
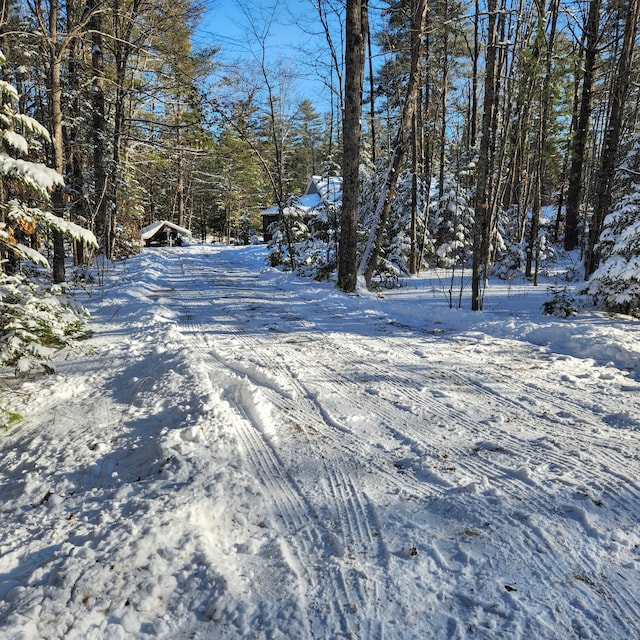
(320, 190)
(154, 227)
(329, 188)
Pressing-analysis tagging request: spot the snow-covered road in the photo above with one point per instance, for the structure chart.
(250, 454)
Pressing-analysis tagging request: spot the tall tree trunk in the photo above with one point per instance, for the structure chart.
(355, 47)
(560, 212)
(473, 136)
(423, 105)
(372, 99)
(443, 101)
(383, 208)
(72, 152)
(483, 218)
(413, 250)
(55, 109)
(579, 142)
(533, 248)
(98, 128)
(180, 178)
(124, 21)
(612, 140)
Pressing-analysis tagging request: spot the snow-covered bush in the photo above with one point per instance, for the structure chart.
(311, 239)
(35, 319)
(287, 234)
(247, 228)
(509, 262)
(395, 248)
(617, 281)
(560, 304)
(316, 259)
(509, 256)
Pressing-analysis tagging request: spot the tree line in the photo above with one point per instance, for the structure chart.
(472, 135)
(525, 116)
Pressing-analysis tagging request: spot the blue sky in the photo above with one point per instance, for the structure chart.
(227, 24)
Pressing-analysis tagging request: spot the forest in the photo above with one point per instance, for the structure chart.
(490, 136)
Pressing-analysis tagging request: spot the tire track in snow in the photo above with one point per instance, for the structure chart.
(305, 539)
(327, 426)
(293, 399)
(574, 422)
(302, 538)
(496, 403)
(462, 382)
(622, 604)
(519, 479)
(353, 522)
(335, 367)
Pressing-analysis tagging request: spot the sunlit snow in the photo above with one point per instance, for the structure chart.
(241, 453)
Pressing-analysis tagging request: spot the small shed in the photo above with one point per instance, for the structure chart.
(320, 193)
(164, 233)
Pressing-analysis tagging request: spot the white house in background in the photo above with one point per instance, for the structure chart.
(321, 191)
(163, 233)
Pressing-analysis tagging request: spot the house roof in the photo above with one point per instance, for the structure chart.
(320, 191)
(328, 188)
(154, 227)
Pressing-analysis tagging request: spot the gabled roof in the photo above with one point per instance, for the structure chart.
(154, 227)
(320, 191)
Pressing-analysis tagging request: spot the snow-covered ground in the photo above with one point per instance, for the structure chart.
(247, 454)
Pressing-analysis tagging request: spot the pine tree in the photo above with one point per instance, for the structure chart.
(307, 145)
(454, 226)
(35, 319)
(617, 281)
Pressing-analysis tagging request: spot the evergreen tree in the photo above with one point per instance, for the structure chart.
(617, 280)
(35, 319)
(307, 147)
(453, 237)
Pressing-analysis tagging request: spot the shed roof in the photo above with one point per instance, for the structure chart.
(154, 227)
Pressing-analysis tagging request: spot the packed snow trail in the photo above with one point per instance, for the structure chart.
(247, 454)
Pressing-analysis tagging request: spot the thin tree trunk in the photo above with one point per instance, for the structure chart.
(560, 214)
(533, 249)
(443, 102)
(414, 193)
(372, 98)
(180, 195)
(124, 20)
(76, 178)
(474, 78)
(98, 128)
(55, 107)
(370, 257)
(334, 67)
